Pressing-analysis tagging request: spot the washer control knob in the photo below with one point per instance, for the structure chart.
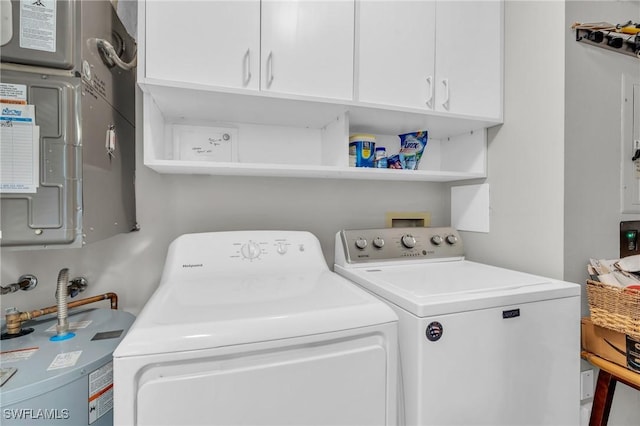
(378, 242)
(452, 239)
(361, 243)
(281, 248)
(408, 240)
(436, 240)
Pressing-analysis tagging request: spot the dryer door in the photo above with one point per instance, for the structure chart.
(335, 382)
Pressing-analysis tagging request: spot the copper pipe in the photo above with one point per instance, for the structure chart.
(15, 320)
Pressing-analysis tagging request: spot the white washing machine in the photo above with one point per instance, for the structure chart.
(479, 345)
(252, 328)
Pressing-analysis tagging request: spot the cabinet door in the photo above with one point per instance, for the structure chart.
(207, 42)
(469, 67)
(307, 47)
(396, 50)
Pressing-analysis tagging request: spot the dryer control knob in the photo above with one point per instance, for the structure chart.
(281, 248)
(452, 239)
(250, 250)
(378, 242)
(409, 241)
(436, 240)
(361, 243)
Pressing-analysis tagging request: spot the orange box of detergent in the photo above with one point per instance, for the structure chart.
(362, 148)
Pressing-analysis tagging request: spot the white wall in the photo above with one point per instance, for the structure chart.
(525, 164)
(592, 157)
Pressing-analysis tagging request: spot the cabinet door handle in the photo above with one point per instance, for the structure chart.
(247, 67)
(270, 69)
(429, 100)
(445, 104)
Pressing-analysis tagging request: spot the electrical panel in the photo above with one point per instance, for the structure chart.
(54, 61)
(630, 169)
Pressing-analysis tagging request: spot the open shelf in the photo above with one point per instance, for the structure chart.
(293, 136)
(306, 171)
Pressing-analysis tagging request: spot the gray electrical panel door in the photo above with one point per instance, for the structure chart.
(43, 33)
(85, 109)
(52, 214)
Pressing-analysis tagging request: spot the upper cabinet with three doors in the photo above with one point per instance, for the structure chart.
(305, 74)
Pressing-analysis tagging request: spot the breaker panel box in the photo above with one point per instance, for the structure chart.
(84, 110)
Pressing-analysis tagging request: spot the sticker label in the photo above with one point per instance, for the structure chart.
(13, 93)
(38, 25)
(64, 360)
(17, 355)
(100, 392)
(633, 354)
(6, 374)
(72, 325)
(104, 335)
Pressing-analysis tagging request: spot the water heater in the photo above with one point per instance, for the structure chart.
(68, 382)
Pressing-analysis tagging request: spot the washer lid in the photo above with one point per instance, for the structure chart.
(238, 309)
(437, 288)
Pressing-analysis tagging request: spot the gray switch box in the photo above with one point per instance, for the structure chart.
(629, 236)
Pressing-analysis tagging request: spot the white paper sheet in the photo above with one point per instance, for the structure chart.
(19, 149)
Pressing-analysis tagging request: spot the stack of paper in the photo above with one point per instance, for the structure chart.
(618, 272)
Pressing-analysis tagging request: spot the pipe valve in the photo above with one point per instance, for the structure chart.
(25, 282)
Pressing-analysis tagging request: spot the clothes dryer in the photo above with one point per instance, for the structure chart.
(252, 328)
(479, 345)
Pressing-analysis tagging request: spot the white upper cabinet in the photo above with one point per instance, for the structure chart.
(290, 47)
(469, 60)
(287, 82)
(215, 43)
(443, 56)
(396, 53)
(307, 48)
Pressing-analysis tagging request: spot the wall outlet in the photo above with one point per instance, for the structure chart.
(586, 384)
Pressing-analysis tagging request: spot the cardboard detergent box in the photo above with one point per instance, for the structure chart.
(611, 345)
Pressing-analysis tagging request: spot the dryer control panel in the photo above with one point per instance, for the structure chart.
(373, 245)
(200, 256)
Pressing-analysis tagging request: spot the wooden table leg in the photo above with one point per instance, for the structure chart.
(602, 399)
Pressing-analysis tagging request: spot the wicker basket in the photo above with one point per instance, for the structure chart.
(614, 308)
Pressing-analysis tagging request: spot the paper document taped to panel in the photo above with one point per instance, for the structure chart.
(19, 149)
